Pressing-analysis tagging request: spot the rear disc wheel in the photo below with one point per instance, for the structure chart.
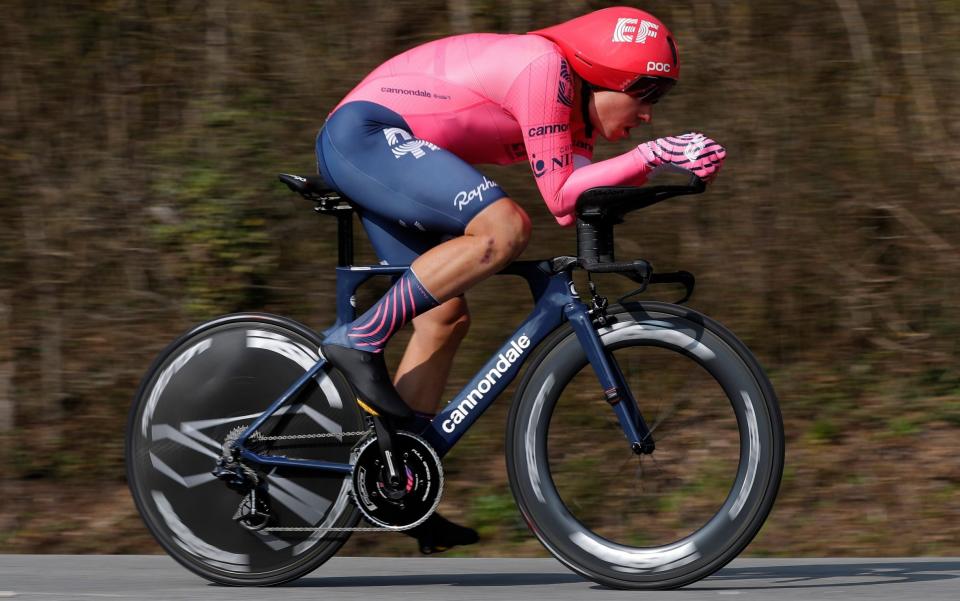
(213, 380)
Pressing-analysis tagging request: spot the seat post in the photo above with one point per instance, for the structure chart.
(344, 236)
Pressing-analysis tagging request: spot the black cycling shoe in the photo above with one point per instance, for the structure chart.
(439, 534)
(367, 374)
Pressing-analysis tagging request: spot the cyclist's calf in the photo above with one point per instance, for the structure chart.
(448, 321)
(423, 371)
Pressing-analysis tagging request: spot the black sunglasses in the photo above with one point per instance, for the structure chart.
(650, 89)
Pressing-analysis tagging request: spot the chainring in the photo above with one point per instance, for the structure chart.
(423, 487)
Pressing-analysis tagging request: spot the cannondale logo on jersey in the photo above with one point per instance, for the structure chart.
(627, 27)
(401, 143)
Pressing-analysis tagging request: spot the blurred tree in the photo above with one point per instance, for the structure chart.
(6, 365)
(460, 15)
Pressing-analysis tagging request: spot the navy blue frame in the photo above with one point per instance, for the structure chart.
(556, 301)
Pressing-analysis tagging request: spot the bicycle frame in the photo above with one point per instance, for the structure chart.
(556, 300)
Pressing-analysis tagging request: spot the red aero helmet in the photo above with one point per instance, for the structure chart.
(618, 49)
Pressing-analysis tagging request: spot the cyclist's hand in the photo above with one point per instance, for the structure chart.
(692, 152)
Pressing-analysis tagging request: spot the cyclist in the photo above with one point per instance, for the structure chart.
(402, 145)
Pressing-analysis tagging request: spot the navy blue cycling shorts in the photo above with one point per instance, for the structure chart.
(410, 194)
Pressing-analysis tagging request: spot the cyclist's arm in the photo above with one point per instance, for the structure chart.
(541, 100)
(628, 169)
(693, 152)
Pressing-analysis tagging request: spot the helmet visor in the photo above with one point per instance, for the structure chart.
(650, 89)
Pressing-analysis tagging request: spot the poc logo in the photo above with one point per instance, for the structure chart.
(401, 143)
(661, 67)
(627, 27)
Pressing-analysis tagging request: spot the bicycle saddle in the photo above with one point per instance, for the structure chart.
(312, 187)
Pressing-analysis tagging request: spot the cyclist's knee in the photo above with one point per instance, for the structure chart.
(503, 229)
(449, 320)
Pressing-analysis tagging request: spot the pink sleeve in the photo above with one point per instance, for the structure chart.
(540, 99)
(627, 169)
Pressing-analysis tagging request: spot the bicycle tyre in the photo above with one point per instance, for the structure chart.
(218, 377)
(759, 459)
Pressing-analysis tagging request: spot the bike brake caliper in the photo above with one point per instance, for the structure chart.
(598, 310)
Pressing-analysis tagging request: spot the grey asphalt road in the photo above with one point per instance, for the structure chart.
(138, 577)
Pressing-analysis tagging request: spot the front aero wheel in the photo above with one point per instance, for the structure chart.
(653, 521)
(208, 384)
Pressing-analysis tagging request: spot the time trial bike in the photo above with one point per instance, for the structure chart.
(644, 445)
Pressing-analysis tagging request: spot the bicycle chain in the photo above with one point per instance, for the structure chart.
(354, 529)
(257, 437)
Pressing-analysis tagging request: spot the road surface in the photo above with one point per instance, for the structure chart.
(141, 577)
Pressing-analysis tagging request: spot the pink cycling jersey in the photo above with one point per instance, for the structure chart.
(500, 99)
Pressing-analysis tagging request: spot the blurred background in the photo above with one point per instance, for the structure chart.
(139, 143)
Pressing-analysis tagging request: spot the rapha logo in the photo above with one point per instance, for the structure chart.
(695, 147)
(464, 197)
(627, 27)
(401, 143)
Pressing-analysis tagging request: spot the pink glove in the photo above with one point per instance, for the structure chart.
(691, 152)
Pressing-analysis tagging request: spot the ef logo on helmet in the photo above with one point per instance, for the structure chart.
(610, 48)
(626, 27)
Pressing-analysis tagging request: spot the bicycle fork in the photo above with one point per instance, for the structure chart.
(615, 388)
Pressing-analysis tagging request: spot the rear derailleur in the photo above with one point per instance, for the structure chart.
(254, 510)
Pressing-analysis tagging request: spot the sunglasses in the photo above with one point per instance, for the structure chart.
(650, 89)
